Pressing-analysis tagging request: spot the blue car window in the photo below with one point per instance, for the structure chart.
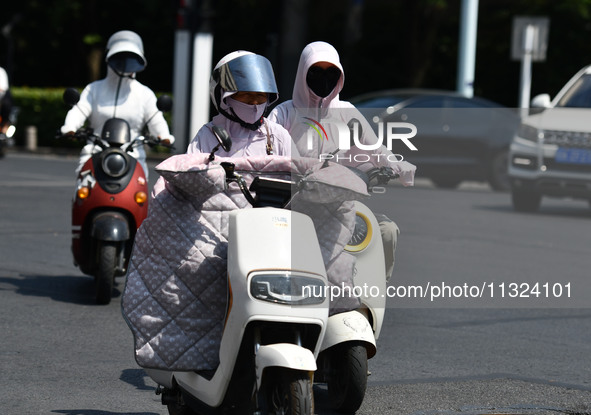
(428, 102)
(579, 95)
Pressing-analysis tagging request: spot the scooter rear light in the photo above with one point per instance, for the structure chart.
(141, 198)
(83, 192)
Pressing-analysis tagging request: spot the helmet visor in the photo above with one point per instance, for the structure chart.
(251, 73)
(126, 62)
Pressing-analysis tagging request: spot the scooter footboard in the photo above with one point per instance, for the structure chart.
(285, 355)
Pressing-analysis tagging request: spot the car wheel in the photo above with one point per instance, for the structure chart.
(498, 174)
(446, 182)
(525, 201)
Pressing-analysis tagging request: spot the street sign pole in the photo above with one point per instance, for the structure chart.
(525, 82)
(528, 44)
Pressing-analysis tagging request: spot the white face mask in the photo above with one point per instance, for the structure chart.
(248, 113)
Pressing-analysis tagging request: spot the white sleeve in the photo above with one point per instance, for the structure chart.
(157, 124)
(76, 117)
(159, 127)
(3, 82)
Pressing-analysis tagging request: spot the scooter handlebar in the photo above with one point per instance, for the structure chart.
(152, 141)
(82, 134)
(380, 175)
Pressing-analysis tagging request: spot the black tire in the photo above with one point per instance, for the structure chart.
(347, 378)
(175, 409)
(446, 182)
(287, 391)
(525, 200)
(105, 272)
(498, 174)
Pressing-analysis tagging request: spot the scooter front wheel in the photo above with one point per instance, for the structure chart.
(105, 272)
(347, 379)
(287, 391)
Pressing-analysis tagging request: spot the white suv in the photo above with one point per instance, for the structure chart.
(551, 153)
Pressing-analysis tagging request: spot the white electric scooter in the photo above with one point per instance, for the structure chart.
(273, 330)
(350, 338)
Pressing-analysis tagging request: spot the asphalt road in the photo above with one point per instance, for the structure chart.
(62, 354)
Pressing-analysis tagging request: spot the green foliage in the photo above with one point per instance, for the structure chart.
(383, 43)
(43, 108)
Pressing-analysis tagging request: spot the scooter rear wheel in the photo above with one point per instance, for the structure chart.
(287, 391)
(105, 272)
(175, 409)
(347, 379)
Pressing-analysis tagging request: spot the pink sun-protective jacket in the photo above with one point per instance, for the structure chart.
(305, 107)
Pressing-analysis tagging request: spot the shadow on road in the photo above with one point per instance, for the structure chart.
(65, 289)
(137, 378)
(98, 412)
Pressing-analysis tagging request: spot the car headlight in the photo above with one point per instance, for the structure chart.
(286, 288)
(115, 164)
(529, 133)
(361, 234)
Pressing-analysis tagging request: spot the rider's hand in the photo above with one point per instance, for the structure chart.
(71, 135)
(165, 141)
(406, 171)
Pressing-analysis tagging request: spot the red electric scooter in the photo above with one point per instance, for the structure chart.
(110, 202)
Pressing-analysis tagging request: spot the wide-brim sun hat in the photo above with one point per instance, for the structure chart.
(128, 42)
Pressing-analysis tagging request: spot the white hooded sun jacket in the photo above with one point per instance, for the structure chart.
(124, 98)
(306, 109)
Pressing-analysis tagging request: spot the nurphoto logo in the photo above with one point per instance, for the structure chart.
(348, 136)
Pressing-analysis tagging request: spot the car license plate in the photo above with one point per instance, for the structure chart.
(573, 156)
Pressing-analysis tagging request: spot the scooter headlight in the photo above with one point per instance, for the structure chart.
(115, 164)
(10, 131)
(286, 288)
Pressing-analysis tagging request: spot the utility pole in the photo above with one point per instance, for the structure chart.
(192, 69)
(528, 44)
(467, 48)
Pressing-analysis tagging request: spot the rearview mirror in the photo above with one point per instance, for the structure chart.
(541, 101)
(223, 137)
(224, 140)
(71, 96)
(164, 103)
